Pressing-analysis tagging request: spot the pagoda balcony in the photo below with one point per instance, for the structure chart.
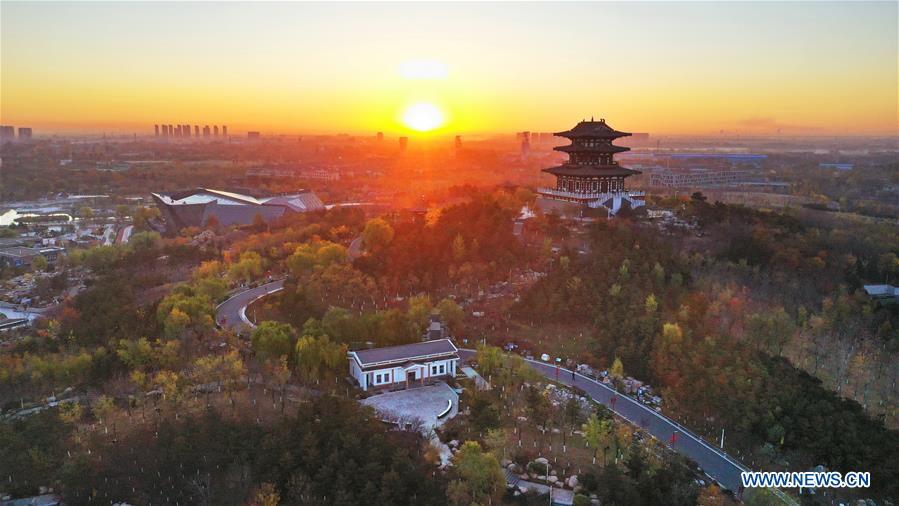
(552, 192)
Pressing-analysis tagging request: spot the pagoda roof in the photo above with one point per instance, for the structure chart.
(591, 170)
(602, 149)
(598, 129)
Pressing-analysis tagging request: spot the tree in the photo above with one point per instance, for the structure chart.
(598, 433)
(496, 439)
(144, 241)
(103, 407)
(489, 359)
(480, 479)
(280, 372)
(39, 263)
(651, 304)
(248, 268)
(617, 369)
(314, 354)
(265, 495)
(70, 412)
(572, 412)
(485, 414)
(172, 385)
(770, 330)
(175, 323)
(459, 248)
(711, 496)
(451, 313)
(213, 288)
(86, 213)
(581, 500)
(376, 235)
(339, 324)
(539, 408)
(143, 215)
(225, 371)
(418, 312)
(272, 340)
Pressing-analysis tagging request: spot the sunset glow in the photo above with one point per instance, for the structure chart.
(423, 117)
(666, 68)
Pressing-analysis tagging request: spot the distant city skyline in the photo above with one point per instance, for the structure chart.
(670, 68)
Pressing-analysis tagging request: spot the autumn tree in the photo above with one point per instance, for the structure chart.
(479, 477)
(39, 263)
(315, 354)
(376, 235)
(272, 340)
(598, 433)
(451, 313)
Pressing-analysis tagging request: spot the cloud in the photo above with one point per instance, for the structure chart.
(423, 69)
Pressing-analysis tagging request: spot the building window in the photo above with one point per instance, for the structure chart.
(442, 368)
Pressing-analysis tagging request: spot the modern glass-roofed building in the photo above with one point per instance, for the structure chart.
(194, 208)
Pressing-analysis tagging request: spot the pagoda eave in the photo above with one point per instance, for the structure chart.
(591, 171)
(607, 149)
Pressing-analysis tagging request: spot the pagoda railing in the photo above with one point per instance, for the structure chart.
(597, 196)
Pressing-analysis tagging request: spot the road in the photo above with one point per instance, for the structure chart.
(232, 312)
(721, 467)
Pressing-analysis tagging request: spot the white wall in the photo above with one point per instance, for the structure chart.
(399, 374)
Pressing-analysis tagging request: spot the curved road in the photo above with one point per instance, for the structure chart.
(717, 464)
(720, 466)
(232, 312)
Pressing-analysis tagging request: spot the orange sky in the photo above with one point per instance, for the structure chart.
(666, 68)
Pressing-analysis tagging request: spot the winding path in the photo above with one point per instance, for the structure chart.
(232, 312)
(720, 466)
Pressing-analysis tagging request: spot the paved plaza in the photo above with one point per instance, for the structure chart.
(422, 403)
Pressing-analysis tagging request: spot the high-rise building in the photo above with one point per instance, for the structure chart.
(7, 133)
(224, 130)
(591, 177)
(165, 130)
(525, 144)
(215, 129)
(156, 129)
(380, 136)
(206, 131)
(185, 130)
(24, 133)
(196, 130)
(253, 135)
(404, 141)
(458, 142)
(171, 131)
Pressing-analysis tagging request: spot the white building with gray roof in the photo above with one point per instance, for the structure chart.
(407, 364)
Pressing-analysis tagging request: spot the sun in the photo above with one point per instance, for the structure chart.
(423, 116)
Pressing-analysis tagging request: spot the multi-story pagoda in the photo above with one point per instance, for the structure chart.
(591, 177)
